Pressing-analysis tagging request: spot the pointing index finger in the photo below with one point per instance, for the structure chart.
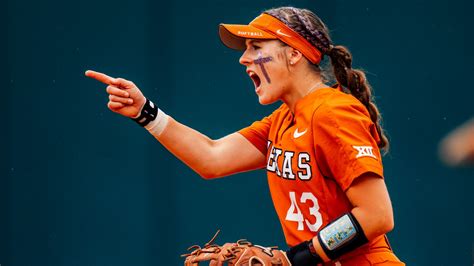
(100, 77)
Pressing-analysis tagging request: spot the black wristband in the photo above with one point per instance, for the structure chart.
(302, 255)
(148, 113)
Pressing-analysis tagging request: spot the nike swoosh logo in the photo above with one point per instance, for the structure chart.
(297, 134)
(281, 33)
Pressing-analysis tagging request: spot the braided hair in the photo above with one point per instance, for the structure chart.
(310, 27)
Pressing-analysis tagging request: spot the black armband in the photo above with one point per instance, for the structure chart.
(148, 113)
(303, 254)
(341, 236)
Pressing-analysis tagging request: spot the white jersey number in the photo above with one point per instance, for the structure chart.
(294, 213)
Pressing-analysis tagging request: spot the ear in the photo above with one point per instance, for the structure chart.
(293, 55)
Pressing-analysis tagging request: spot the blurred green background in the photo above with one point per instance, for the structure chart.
(81, 185)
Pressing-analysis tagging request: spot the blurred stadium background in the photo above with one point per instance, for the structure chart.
(81, 185)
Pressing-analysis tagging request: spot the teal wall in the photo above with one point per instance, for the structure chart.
(81, 185)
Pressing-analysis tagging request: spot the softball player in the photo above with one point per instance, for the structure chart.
(321, 147)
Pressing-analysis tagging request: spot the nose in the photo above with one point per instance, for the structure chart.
(245, 58)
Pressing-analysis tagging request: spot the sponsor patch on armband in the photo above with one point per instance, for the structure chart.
(338, 233)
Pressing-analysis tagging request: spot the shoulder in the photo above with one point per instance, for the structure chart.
(337, 105)
(343, 117)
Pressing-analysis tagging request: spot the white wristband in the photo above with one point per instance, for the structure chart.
(157, 126)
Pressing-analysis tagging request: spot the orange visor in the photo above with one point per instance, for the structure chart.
(267, 27)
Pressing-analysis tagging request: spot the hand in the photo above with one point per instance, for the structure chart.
(301, 255)
(124, 96)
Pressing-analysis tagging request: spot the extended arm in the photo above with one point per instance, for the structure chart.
(209, 158)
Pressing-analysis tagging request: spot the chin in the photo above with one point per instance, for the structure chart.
(265, 100)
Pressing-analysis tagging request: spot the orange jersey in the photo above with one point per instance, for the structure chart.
(313, 156)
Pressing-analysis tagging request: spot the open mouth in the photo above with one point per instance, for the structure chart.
(255, 78)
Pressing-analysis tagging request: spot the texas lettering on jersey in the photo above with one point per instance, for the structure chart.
(284, 167)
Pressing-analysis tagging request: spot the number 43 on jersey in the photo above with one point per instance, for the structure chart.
(294, 213)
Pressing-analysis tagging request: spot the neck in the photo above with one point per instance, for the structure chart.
(301, 89)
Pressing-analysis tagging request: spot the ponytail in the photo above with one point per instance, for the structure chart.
(355, 81)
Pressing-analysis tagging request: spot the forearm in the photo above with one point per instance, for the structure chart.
(188, 145)
(372, 223)
(209, 158)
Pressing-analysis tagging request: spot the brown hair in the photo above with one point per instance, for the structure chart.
(310, 26)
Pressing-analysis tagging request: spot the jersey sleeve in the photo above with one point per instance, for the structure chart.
(257, 132)
(346, 142)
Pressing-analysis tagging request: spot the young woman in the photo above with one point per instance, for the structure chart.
(321, 147)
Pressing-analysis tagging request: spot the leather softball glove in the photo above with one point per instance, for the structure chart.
(241, 253)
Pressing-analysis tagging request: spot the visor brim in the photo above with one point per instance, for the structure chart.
(234, 36)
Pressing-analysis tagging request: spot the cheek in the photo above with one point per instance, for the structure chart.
(278, 74)
(272, 92)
